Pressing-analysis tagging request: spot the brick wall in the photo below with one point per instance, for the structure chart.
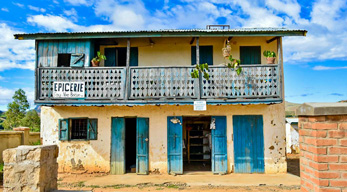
(323, 145)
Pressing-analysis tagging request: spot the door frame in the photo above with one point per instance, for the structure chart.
(124, 147)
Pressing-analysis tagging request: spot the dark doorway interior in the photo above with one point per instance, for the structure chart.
(130, 145)
(197, 144)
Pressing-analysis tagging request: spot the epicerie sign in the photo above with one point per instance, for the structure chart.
(68, 89)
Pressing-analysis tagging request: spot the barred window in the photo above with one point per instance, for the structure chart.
(79, 129)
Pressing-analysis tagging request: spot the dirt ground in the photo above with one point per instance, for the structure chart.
(77, 182)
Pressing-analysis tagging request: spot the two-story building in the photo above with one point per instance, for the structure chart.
(141, 108)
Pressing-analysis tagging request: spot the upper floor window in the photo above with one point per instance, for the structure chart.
(205, 55)
(250, 55)
(116, 56)
(78, 129)
(64, 60)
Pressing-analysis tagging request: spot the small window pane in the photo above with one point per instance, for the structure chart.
(79, 129)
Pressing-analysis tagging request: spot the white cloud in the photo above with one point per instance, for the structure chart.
(38, 9)
(321, 68)
(80, 2)
(72, 14)
(4, 9)
(60, 23)
(14, 53)
(19, 5)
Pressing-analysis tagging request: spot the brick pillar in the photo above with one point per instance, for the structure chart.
(323, 146)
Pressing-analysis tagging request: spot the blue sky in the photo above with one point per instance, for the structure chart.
(315, 66)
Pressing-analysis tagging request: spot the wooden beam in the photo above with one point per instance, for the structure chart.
(273, 39)
(127, 86)
(280, 66)
(229, 38)
(198, 62)
(192, 41)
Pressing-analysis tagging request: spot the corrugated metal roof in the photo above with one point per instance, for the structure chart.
(167, 33)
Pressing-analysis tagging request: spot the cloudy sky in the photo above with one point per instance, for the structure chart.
(315, 65)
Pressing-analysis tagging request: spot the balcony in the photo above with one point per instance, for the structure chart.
(156, 85)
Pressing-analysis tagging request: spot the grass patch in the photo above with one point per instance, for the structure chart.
(1, 167)
(172, 186)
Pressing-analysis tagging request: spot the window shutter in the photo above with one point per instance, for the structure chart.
(92, 129)
(77, 60)
(63, 129)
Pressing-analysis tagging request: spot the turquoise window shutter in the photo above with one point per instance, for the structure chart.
(110, 54)
(250, 55)
(92, 129)
(63, 129)
(205, 55)
(134, 58)
(77, 60)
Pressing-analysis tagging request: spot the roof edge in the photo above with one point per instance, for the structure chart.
(164, 33)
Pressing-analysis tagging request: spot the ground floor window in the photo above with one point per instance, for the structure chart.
(78, 129)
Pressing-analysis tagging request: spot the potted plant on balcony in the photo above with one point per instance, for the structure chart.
(96, 60)
(270, 56)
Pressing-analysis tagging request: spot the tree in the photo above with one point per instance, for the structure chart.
(32, 120)
(16, 110)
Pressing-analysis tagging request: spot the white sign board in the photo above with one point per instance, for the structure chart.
(199, 105)
(68, 89)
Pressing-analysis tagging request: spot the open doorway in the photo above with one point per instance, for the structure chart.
(197, 144)
(130, 145)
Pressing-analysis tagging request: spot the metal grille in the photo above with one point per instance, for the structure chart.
(254, 82)
(163, 82)
(79, 129)
(100, 83)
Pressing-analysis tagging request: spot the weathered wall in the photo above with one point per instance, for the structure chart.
(177, 51)
(12, 139)
(95, 155)
(292, 138)
(31, 169)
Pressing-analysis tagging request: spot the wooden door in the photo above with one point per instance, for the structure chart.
(142, 135)
(219, 145)
(118, 146)
(248, 143)
(174, 145)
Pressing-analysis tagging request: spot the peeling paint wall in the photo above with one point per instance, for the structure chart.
(94, 156)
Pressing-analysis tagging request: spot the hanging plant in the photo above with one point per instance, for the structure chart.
(234, 64)
(226, 50)
(203, 68)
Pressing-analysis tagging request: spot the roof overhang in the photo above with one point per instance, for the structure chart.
(273, 32)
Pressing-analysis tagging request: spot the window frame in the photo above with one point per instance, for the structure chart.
(90, 122)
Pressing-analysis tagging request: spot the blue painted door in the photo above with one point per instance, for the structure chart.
(248, 143)
(117, 146)
(205, 55)
(219, 145)
(174, 145)
(142, 130)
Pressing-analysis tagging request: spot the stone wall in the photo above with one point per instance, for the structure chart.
(323, 145)
(31, 168)
(19, 136)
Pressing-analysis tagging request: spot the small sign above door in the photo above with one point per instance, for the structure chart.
(68, 89)
(199, 105)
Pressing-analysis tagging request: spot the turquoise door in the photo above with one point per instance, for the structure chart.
(142, 136)
(117, 146)
(174, 148)
(248, 143)
(219, 145)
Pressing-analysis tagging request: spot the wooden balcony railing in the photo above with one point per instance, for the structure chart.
(107, 85)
